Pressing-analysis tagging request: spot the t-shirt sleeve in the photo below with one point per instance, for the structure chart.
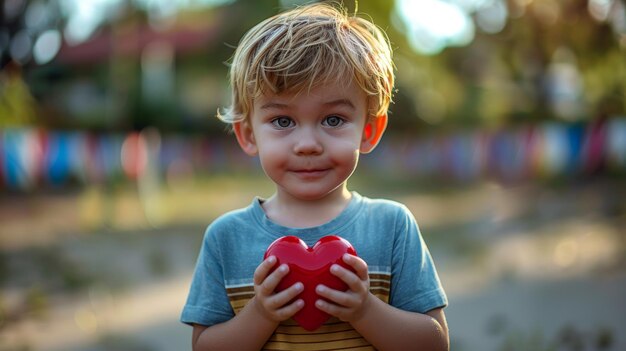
(415, 285)
(207, 303)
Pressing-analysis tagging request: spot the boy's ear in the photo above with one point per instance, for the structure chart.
(372, 133)
(245, 137)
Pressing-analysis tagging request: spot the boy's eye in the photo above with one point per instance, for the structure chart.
(282, 122)
(333, 121)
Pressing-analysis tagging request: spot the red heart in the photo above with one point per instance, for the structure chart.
(311, 267)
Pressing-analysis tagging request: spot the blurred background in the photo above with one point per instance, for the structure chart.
(507, 140)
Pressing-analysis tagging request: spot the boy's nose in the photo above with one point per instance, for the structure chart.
(307, 143)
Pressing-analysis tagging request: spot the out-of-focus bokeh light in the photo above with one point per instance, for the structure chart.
(157, 66)
(565, 85)
(47, 46)
(84, 17)
(431, 25)
(134, 155)
(21, 47)
(611, 11)
(600, 9)
(13, 8)
(492, 18)
(86, 320)
(37, 16)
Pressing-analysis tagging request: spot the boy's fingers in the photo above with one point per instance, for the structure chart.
(358, 264)
(332, 309)
(338, 297)
(289, 310)
(271, 281)
(353, 281)
(260, 273)
(282, 298)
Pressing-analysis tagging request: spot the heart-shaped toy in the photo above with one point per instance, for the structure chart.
(311, 267)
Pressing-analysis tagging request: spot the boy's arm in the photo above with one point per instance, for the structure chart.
(248, 330)
(254, 324)
(389, 328)
(384, 326)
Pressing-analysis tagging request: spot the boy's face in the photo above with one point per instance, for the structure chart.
(308, 143)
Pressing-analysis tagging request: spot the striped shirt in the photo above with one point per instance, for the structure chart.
(384, 234)
(333, 335)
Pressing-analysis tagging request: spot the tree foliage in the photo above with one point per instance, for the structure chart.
(552, 60)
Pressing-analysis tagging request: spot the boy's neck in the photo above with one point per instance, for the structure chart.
(292, 212)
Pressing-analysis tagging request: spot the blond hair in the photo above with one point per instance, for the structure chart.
(305, 47)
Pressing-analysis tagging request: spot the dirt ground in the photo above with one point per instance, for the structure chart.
(526, 267)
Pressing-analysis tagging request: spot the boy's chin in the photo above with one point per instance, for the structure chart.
(315, 194)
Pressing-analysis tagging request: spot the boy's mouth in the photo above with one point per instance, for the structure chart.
(311, 173)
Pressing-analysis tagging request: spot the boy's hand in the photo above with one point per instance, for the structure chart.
(350, 305)
(274, 306)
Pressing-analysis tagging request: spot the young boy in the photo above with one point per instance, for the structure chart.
(311, 88)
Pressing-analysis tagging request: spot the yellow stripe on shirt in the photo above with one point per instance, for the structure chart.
(332, 335)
